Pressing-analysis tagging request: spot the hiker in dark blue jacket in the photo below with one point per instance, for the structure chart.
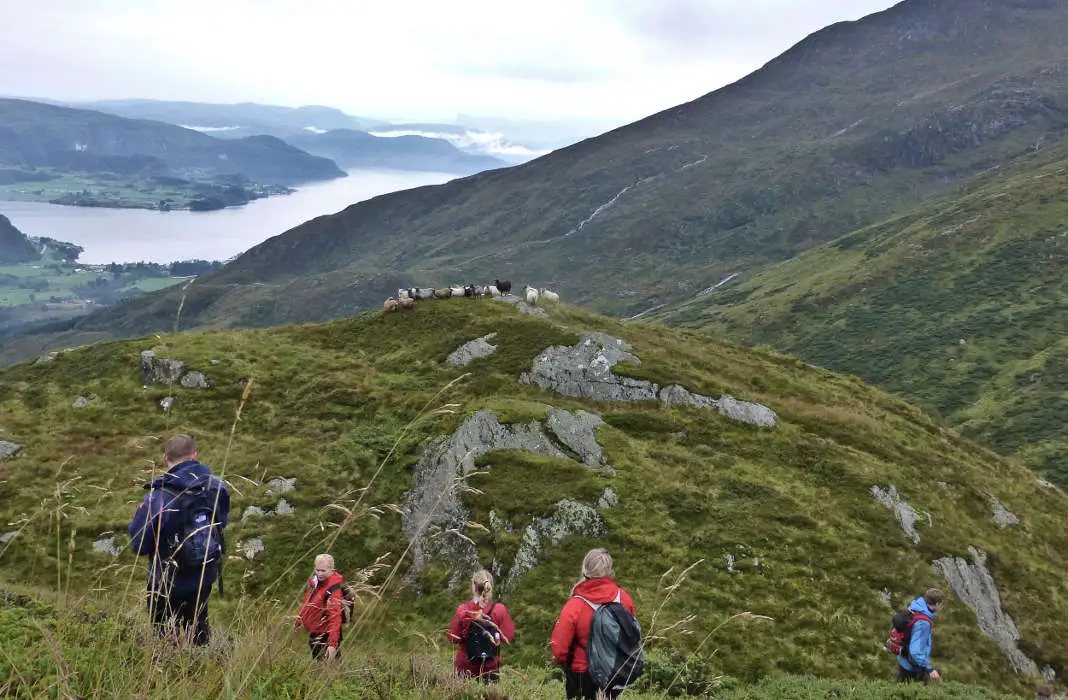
(179, 528)
(914, 663)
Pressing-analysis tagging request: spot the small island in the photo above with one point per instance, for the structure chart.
(159, 192)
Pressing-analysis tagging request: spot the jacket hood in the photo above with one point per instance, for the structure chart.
(920, 605)
(598, 590)
(334, 578)
(183, 476)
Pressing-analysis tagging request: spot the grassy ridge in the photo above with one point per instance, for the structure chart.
(958, 306)
(328, 403)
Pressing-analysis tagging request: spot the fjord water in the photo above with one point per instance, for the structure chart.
(132, 235)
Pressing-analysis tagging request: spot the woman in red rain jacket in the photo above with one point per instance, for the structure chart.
(572, 631)
(501, 627)
(321, 613)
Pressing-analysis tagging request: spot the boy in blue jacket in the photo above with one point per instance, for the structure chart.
(179, 528)
(914, 663)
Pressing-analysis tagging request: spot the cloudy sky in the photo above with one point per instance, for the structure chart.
(604, 61)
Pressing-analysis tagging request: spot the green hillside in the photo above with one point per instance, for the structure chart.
(960, 306)
(712, 506)
(858, 122)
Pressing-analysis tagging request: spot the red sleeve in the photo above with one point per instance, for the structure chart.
(456, 632)
(564, 633)
(504, 622)
(333, 619)
(627, 602)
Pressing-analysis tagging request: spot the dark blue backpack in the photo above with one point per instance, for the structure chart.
(195, 539)
(615, 652)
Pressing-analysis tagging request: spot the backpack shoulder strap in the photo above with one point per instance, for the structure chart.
(489, 610)
(916, 617)
(588, 602)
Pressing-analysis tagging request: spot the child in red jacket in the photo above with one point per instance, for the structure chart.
(321, 613)
(572, 631)
(494, 622)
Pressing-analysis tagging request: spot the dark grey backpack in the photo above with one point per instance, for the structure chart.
(614, 650)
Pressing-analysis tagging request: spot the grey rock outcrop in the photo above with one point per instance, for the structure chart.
(106, 546)
(165, 403)
(157, 370)
(608, 499)
(283, 508)
(251, 512)
(905, 514)
(578, 432)
(8, 449)
(251, 547)
(433, 505)
(521, 305)
(569, 518)
(80, 402)
(8, 536)
(1002, 515)
(471, 351)
(973, 584)
(195, 380)
(280, 485)
(1046, 484)
(584, 370)
(47, 359)
(884, 595)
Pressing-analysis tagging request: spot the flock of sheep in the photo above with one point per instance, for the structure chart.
(406, 298)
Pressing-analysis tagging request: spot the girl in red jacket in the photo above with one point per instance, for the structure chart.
(495, 622)
(572, 630)
(321, 612)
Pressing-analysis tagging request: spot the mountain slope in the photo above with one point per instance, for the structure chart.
(15, 246)
(778, 520)
(959, 306)
(359, 149)
(36, 135)
(856, 122)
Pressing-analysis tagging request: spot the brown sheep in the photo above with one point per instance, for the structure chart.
(390, 304)
(443, 293)
(407, 303)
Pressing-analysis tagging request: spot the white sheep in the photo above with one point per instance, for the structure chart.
(493, 291)
(457, 291)
(531, 296)
(549, 295)
(390, 304)
(406, 302)
(402, 294)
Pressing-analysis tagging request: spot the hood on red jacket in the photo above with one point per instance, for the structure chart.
(313, 582)
(598, 590)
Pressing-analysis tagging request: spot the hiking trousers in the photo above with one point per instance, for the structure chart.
(180, 615)
(917, 676)
(582, 687)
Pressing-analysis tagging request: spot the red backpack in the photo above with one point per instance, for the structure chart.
(901, 632)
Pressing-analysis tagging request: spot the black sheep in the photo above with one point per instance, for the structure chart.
(503, 287)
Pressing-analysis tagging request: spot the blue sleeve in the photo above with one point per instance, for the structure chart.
(142, 527)
(920, 644)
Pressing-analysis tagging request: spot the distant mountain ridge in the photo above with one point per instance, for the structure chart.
(37, 135)
(300, 126)
(359, 149)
